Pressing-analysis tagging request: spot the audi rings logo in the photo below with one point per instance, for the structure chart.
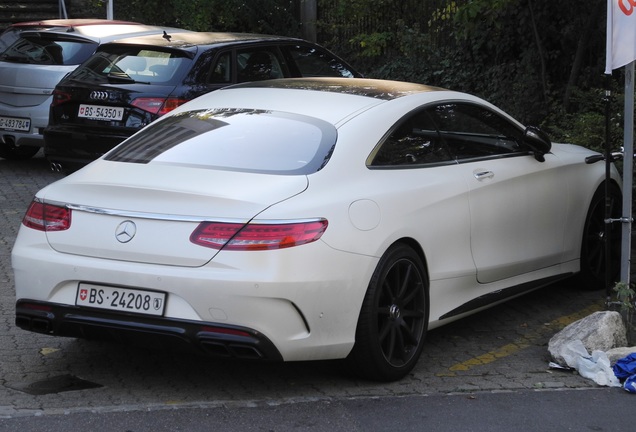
(99, 95)
(125, 231)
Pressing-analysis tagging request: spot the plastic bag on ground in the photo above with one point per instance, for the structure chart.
(573, 351)
(630, 384)
(625, 367)
(597, 368)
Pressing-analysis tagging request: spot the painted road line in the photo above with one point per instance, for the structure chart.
(519, 344)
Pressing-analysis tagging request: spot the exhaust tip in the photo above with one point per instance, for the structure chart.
(56, 167)
(8, 140)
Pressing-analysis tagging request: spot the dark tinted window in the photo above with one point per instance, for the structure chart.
(131, 64)
(472, 131)
(222, 70)
(414, 141)
(235, 140)
(48, 51)
(313, 62)
(259, 64)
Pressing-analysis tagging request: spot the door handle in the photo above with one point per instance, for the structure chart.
(482, 175)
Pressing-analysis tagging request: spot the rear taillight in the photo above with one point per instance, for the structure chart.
(158, 106)
(47, 217)
(59, 97)
(257, 236)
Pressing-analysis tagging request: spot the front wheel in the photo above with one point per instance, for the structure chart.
(596, 234)
(394, 317)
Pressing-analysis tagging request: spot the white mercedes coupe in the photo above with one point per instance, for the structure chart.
(307, 219)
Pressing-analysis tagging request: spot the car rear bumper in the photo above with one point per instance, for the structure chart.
(212, 339)
(38, 116)
(308, 309)
(77, 148)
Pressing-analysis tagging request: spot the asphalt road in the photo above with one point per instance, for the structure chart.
(487, 372)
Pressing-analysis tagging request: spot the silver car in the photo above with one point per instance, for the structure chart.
(35, 62)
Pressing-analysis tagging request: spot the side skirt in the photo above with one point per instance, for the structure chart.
(502, 295)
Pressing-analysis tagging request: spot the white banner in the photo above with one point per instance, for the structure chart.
(621, 34)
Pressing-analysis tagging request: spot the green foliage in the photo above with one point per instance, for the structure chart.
(540, 61)
(625, 295)
(586, 124)
(254, 16)
(374, 44)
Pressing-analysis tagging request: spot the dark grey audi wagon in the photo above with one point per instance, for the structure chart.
(129, 83)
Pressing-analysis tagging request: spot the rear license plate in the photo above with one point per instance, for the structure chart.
(15, 124)
(121, 299)
(98, 112)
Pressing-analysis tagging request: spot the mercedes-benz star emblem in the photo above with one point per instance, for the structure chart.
(125, 231)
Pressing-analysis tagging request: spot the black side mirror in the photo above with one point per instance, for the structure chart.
(538, 141)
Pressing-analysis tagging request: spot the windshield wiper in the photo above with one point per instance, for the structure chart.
(120, 77)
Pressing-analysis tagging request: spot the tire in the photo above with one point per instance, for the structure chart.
(595, 235)
(12, 152)
(394, 317)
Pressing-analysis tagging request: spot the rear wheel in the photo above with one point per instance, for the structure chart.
(596, 234)
(394, 317)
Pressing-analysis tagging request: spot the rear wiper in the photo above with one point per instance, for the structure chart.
(123, 78)
(120, 77)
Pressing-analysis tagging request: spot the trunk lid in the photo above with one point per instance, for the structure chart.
(147, 215)
(25, 85)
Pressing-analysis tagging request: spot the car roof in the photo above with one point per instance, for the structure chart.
(367, 87)
(332, 99)
(198, 39)
(101, 32)
(75, 22)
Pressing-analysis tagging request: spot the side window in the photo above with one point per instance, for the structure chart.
(314, 62)
(413, 141)
(258, 64)
(471, 131)
(221, 71)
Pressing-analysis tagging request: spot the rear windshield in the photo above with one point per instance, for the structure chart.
(8, 37)
(48, 51)
(131, 64)
(233, 139)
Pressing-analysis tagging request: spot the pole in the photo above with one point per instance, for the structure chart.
(628, 163)
(62, 9)
(609, 276)
(109, 10)
(308, 17)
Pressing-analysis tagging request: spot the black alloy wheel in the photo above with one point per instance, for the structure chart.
(394, 317)
(596, 233)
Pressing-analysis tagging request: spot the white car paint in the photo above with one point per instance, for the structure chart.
(479, 234)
